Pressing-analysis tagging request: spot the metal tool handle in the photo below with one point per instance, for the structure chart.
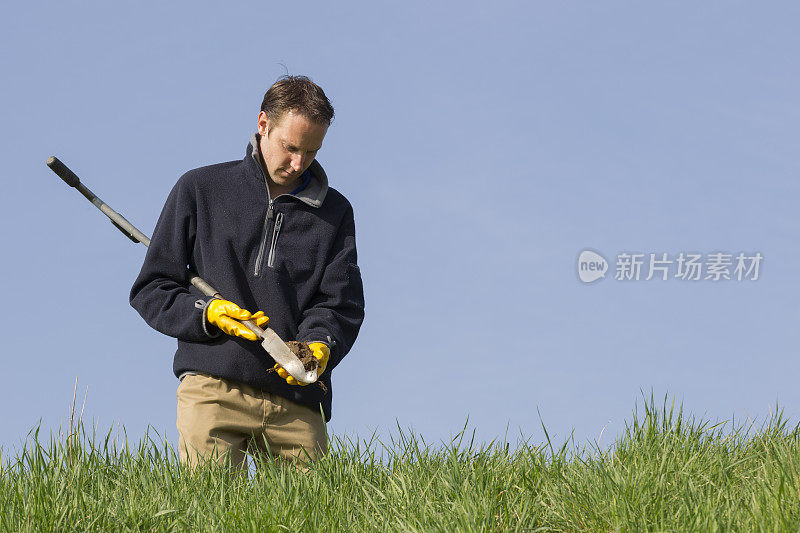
(129, 230)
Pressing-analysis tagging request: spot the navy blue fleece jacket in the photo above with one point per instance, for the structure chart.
(293, 257)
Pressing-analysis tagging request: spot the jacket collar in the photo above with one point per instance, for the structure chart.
(313, 195)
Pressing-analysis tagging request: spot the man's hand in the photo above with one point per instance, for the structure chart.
(225, 315)
(321, 353)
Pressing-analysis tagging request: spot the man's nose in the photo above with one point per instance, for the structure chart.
(297, 162)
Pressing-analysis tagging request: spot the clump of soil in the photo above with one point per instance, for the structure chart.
(304, 353)
(306, 356)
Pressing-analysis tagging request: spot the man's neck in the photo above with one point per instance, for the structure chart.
(276, 190)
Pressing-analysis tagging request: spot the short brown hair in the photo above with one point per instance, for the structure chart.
(300, 95)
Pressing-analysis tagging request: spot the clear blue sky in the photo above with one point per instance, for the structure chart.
(483, 148)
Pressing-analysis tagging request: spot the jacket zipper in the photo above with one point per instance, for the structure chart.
(275, 233)
(260, 255)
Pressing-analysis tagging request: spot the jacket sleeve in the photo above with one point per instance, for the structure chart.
(162, 294)
(336, 312)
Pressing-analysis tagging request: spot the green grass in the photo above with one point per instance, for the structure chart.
(666, 472)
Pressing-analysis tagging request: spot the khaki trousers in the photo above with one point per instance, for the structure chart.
(221, 420)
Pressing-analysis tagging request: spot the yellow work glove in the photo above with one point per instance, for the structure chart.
(226, 315)
(321, 354)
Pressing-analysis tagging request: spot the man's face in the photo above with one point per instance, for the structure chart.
(289, 146)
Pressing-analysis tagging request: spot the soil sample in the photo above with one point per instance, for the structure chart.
(304, 353)
(306, 356)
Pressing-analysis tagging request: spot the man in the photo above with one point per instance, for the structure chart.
(270, 235)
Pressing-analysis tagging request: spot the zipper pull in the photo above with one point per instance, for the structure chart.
(269, 210)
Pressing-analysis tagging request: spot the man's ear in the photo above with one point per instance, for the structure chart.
(263, 124)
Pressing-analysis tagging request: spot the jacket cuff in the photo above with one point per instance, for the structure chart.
(209, 329)
(326, 343)
(317, 337)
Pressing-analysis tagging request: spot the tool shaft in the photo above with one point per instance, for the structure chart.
(131, 231)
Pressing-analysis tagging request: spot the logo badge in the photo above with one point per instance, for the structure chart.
(591, 266)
